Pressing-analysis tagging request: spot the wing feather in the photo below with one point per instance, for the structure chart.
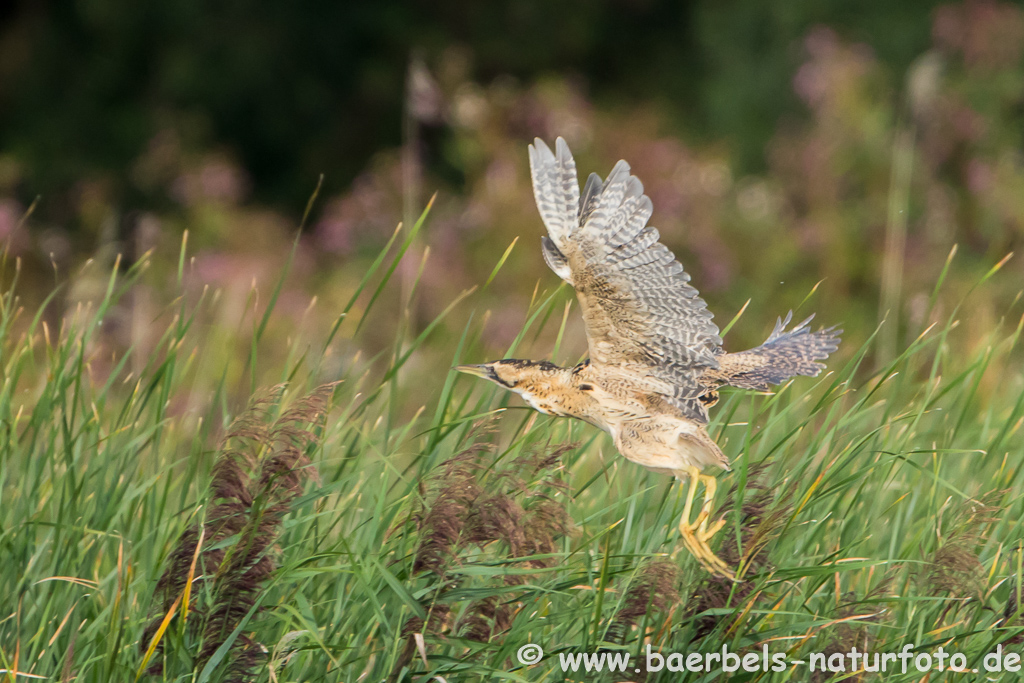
(641, 314)
(555, 259)
(588, 202)
(555, 188)
(783, 355)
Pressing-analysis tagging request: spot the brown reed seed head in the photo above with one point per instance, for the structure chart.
(954, 568)
(653, 589)
(760, 523)
(508, 512)
(259, 471)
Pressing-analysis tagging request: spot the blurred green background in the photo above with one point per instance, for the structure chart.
(783, 145)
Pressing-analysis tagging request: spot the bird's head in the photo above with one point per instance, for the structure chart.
(534, 381)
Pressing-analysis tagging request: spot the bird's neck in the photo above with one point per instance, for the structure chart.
(555, 390)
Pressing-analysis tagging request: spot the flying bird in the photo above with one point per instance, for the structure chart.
(656, 360)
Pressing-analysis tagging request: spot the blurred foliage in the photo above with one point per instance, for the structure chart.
(880, 145)
(296, 89)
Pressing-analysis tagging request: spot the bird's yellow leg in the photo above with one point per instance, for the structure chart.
(691, 493)
(710, 487)
(695, 534)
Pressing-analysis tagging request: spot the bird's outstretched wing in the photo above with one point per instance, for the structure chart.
(783, 355)
(641, 313)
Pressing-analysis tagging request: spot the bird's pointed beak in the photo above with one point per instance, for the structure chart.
(477, 370)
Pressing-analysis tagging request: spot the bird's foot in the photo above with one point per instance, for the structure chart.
(696, 534)
(695, 539)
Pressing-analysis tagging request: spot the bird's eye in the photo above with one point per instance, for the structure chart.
(586, 387)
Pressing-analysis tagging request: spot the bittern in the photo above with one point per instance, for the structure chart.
(656, 358)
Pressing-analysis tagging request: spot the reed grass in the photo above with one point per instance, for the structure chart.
(876, 507)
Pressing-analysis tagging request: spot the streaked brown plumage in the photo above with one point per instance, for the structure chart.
(656, 358)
